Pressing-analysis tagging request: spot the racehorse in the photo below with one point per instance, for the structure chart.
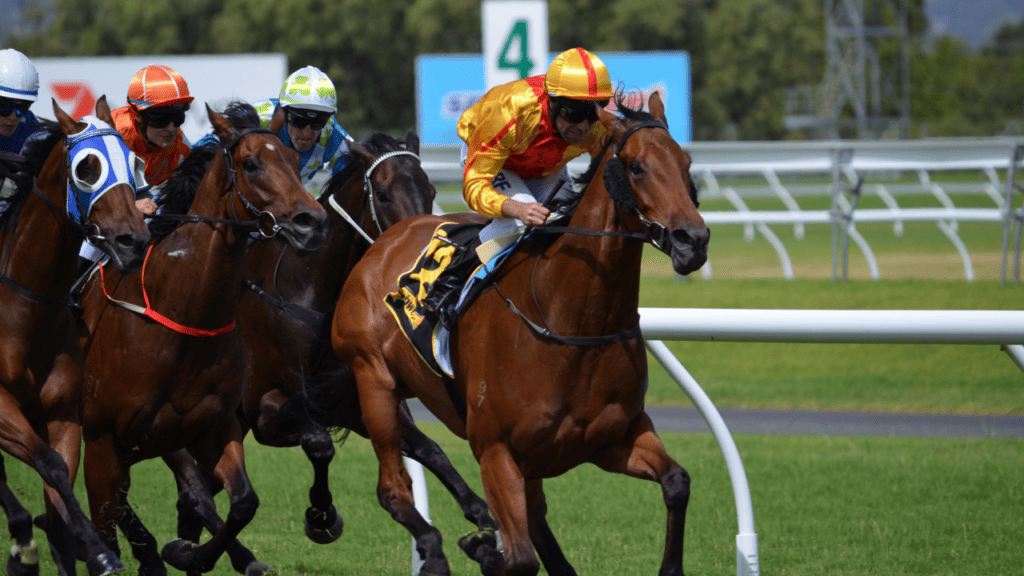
(284, 323)
(163, 378)
(83, 188)
(549, 363)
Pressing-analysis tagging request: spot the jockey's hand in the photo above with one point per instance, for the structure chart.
(146, 206)
(532, 214)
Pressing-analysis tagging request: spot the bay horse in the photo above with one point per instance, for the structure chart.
(284, 323)
(549, 363)
(82, 188)
(164, 378)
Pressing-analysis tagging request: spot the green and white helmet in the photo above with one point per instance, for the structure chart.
(309, 89)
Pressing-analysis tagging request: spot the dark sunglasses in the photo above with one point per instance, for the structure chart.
(302, 119)
(160, 117)
(575, 111)
(19, 107)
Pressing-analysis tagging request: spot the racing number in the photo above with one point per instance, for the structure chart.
(520, 31)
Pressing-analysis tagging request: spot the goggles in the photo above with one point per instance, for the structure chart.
(302, 118)
(18, 107)
(160, 117)
(576, 111)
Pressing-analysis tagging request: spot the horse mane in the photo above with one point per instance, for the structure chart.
(36, 151)
(177, 193)
(377, 143)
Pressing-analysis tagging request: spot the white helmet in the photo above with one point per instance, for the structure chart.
(18, 77)
(310, 89)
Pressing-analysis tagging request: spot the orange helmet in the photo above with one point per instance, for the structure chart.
(579, 75)
(157, 86)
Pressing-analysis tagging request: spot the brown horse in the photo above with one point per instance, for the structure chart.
(550, 367)
(285, 330)
(65, 193)
(164, 378)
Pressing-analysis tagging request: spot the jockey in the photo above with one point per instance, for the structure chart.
(19, 88)
(308, 101)
(150, 124)
(520, 136)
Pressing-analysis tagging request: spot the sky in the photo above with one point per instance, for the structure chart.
(974, 21)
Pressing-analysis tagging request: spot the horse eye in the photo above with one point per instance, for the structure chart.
(250, 165)
(383, 194)
(634, 168)
(86, 172)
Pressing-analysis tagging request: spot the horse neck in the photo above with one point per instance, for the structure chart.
(596, 279)
(39, 246)
(195, 274)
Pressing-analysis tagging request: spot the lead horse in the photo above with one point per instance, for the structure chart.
(550, 366)
(163, 378)
(82, 188)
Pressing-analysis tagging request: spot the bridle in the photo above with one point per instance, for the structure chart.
(307, 315)
(232, 187)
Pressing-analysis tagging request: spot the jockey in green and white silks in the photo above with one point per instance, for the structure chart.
(329, 151)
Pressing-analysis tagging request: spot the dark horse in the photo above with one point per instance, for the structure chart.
(164, 378)
(40, 362)
(559, 384)
(284, 323)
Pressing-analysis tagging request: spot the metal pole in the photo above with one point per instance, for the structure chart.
(747, 563)
(422, 500)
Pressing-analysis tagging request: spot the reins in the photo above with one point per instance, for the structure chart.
(647, 236)
(307, 315)
(232, 187)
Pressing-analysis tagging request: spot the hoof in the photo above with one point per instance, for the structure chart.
(470, 543)
(258, 568)
(179, 553)
(23, 561)
(104, 564)
(321, 528)
(435, 567)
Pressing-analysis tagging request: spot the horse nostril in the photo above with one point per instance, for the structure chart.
(306, 221)
(690, 237)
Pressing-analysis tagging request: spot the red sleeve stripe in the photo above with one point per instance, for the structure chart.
(491, 144)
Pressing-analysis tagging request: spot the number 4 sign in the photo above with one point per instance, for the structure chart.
(515, 39)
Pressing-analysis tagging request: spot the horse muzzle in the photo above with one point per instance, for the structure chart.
(689, 248)
(127, 250)
(306, 231)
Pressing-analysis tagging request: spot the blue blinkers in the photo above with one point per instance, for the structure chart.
(118, 165)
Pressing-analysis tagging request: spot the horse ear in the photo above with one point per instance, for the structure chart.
(412, 141)
(276, 120)
(67, 123)
(103, 110)
(657, 107)
(221, 126)
(614, 126)
(360, 152)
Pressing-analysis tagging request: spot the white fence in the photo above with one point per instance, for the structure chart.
(841, 167)
(994, 327)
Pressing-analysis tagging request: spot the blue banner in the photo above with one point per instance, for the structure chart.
(446, 85)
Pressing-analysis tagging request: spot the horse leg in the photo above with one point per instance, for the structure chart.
(323, 523)
(24, 558)
(641, 454)
(394, 487)
(419, 447)
(196, 510)
(543, 539)
(505, 488)
(223, 454)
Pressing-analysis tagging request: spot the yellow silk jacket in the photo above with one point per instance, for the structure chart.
(510, 128)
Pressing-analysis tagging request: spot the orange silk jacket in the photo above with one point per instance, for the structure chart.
(160, 162)
(510, 128)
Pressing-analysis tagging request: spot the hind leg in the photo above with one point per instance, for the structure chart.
(505, 487)
(24, 558)
(394, 488)
(642, 455)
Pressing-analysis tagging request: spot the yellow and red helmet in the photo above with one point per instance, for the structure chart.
(578, 74)
(157, 85)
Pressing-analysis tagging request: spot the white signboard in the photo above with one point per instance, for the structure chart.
(76, 83)
(515, 40)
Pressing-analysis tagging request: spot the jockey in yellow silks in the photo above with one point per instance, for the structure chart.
(519, 138)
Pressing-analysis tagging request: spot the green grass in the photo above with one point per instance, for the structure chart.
(822, 506)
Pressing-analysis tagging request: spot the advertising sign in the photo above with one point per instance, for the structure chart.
(76, 83)
(446, 85)
(515, 39)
